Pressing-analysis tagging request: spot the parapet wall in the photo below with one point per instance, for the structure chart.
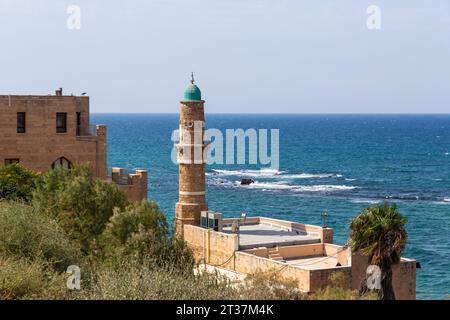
(209, 246)
(307, 250)
(325, 234)
(135, 185)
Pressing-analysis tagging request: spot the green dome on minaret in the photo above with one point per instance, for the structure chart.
(192, 92)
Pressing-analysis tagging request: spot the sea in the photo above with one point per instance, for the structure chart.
(337, 164)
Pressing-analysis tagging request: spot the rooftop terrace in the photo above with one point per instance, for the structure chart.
(260, 232)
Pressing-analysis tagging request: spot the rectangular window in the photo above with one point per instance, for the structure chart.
(61, 122)
(21, 125)
(78, 123)
(204, 222)
(11, 161)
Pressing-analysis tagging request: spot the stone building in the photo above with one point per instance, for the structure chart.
(237, 247)
(43, 132)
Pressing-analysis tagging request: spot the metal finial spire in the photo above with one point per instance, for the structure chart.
(192, 78)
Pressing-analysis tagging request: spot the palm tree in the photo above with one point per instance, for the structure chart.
(379, 233)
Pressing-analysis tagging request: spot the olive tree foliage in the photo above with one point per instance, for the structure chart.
(141, 231)
(80, 202)
(17, 182)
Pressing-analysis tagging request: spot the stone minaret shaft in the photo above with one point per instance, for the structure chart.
(191, 161)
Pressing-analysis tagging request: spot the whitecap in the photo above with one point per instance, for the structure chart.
(325, 187)
(311, 176)
(297, 188)
(220, 182)
(247, 173)
(365, 201)
(445, 201)
(269, 185)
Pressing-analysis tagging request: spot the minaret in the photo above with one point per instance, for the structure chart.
(191, 160)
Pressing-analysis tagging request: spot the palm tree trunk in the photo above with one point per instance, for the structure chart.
(387, 290)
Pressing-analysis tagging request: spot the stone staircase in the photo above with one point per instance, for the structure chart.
(274, 254)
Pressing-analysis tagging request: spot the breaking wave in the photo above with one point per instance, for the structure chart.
(360, 196)
(282, 185)
(295, 188)
(312, 176)
(268, 173)
(369, 201)
(271, 173)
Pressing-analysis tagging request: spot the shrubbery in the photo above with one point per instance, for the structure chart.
(132, 279)
(125, 251)
(24, 279)
(27, 234)
(141, 231)
(16, 182)
(81, 203)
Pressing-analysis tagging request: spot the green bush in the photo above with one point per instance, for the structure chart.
(81, 203)
(19, 278)
(16, 182)
(24, 279)
(141, 230)
(269, 285)
(130, 279)
(24, 233)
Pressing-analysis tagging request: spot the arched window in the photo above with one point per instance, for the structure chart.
(62, 163)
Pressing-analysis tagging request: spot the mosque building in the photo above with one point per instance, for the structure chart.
(244, 245)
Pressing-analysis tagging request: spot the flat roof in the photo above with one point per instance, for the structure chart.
(270, 235)
(314, 263)
(40, 96)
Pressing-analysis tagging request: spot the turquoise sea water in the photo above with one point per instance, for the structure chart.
(334, 163)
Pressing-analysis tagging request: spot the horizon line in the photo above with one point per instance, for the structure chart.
(292, 113)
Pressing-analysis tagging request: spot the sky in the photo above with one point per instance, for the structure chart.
(248, 56)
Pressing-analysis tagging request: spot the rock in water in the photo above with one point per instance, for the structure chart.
(247, 181)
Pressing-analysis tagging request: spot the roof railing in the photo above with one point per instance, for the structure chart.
(87, 131)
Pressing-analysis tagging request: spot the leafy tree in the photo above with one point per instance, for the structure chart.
(16, 182)
(379, 232)
(80, 202)
(141, 230)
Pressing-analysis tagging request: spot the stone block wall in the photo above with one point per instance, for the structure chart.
(403, 276)
(251, 264)
(209, 246)
(135, 185)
